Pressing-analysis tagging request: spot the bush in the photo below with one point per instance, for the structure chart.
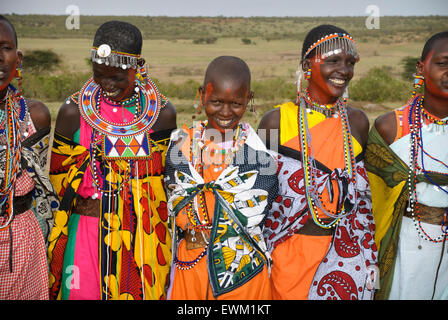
(209, 40)
(274, 89)
(40, 60)
(379, 86)
(409, 66)
(53, 88)
(246, 41)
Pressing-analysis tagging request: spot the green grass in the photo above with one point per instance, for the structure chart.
(273, 55)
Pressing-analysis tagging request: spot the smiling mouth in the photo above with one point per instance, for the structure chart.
(223, 123)
(337, 82)
(2, 74)
(112, 94)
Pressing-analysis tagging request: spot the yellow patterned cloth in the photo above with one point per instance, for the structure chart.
(134, 242)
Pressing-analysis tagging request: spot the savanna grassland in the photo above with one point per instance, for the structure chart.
(179, 49)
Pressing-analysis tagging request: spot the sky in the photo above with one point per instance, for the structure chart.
(229, 8)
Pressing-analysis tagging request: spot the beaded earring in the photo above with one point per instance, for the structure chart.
(418, 83)
(308, 74)
(19, 78)
(198, 105)
(252, 106)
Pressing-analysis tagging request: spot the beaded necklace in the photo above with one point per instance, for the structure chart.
(197, 149)
(433, 119)
(314, 199)
(15, 128)
(416, 142)
(88, 106)
(329, 110)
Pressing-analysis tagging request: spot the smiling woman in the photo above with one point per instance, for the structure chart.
(219, 194)
(323, 204)
(110, 239)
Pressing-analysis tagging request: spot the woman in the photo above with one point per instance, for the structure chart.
(320, 229)
(110, 238)
(27, 198)
(407, 160)
(219, 193)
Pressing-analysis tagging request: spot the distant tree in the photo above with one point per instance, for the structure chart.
(246, 41)
(409, 66)
(40, 60)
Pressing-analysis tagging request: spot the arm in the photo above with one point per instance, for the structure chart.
(359, 125)
(167, 118)
(68, 120)
(40, 115)
(386, 125)
(270, 121)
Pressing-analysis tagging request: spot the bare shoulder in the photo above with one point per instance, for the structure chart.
(167, 118)
(359, 124)
(40, 114)
(386, 125)
(68, 119)
(271, 120)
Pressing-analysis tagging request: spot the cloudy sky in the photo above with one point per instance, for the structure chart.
(244, 8)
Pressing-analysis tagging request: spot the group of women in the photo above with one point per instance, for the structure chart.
(135, 208)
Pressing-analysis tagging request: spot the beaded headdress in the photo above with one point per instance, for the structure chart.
(104, 54)
(331, 44)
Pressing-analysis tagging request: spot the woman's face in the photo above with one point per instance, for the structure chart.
(117, 84)
(330, 76)
(225, 103)
(10, 57)
(435, 70)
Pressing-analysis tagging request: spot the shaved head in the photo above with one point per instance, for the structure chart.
(228, 68)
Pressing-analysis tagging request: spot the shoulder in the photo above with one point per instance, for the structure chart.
(359, 124)
(167, 118)
(271, 120)
(40, 114)
(68, 119)
(358, 119)
(386, 125)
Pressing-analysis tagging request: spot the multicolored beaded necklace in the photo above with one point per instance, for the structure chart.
(416, 143)
(89, 109)
(15, 128)
(314, 199)
(198, 148)
(329, 110)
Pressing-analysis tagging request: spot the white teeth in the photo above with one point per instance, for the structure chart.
(111, 94)
(337, 81)
(224, 122)
(2, 73)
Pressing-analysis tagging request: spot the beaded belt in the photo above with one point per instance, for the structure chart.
(432, 215)
(21, 204)
(312, 229)
(87, 207)
(195, 240)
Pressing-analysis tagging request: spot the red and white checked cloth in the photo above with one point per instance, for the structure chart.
(29, 279)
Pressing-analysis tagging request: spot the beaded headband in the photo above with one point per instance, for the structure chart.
(333, 44)
(104, 54)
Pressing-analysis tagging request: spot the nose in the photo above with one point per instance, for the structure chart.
(226, 110)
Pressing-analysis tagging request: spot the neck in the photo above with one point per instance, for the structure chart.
(320, 97)
(3, 93)
(437, 106)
